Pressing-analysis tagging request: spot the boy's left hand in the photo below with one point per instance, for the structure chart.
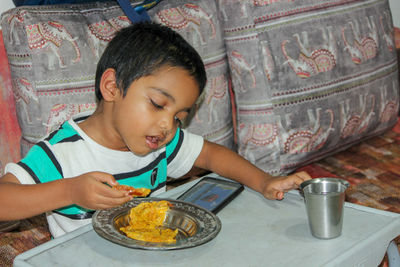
(276, 187)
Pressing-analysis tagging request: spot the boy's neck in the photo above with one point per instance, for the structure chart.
(99, 128)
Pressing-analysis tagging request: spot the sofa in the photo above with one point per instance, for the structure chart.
(308, 78)
(290, 83)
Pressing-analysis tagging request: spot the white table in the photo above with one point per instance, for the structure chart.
(255, 232)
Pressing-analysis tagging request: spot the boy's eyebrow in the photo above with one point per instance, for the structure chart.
(170, 97)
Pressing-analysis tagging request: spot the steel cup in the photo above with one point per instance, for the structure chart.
(324, 201)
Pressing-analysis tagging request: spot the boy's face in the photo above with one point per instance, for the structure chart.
(148, 116)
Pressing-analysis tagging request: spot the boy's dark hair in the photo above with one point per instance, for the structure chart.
(141, 49)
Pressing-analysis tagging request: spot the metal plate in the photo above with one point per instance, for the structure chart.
(195, 225)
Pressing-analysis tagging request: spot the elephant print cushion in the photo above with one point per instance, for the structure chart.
(310, 77)
(53, 52)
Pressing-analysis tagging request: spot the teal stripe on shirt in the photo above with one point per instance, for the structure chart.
(39, 162)
(66, 132)
(144, 179)
(173, 143)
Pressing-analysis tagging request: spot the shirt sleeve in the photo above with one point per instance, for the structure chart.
(38, 166)
(19, 172)
(187, 154)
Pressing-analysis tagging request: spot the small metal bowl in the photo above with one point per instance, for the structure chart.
(195, 225)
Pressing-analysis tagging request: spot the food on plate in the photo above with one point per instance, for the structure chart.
(136, 192)
(146, 220)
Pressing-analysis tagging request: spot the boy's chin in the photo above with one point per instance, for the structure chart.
(146, 151)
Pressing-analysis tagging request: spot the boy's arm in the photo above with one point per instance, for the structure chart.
(19, 201)
(227, 163)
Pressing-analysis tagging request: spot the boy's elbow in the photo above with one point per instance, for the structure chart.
(9, 178)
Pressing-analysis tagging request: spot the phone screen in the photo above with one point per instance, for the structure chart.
(212, 194)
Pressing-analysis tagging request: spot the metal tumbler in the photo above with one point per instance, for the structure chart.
(324, 201)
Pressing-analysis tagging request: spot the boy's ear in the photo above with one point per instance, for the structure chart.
(108, 85)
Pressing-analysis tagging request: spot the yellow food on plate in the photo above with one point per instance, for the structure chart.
(152, 235)
(145, 223)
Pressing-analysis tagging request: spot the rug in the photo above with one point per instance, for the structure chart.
(30, 233)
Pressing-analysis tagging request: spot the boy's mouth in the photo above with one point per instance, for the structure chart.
(154, 141)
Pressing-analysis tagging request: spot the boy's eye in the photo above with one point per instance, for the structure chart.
(156, 105)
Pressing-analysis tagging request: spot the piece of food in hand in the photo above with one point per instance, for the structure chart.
(136, 192)
(146, 223)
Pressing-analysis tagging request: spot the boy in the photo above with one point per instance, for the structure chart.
(147, 81)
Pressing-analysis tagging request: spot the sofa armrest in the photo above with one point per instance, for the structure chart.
(10, 132)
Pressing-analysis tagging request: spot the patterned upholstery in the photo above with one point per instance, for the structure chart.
(310, 77)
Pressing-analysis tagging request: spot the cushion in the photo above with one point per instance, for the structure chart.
(53, 51)
(310, 77)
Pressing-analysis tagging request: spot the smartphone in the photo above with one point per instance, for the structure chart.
(212, 193)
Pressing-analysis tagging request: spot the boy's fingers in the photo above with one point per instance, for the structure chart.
(300, 178)
(105, 178)
(279, 195)
(303, 175)
(298, 181)
(109, 192)
(109, 202)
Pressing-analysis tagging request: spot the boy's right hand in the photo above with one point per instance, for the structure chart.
(90, 191)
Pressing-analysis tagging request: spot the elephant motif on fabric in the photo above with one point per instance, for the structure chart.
(268, 61)
(388, 32)
(23, 90)
(59, 113)
(256, 135)
(12, 20)
(100, 33)
(187, 17)
(217, 90)
(240, 70)
(50, 35)
(24, 93)
(356, 123)
(242, 3)
(389, 107)
(312, 61)
(363, 48)
(309, 138)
